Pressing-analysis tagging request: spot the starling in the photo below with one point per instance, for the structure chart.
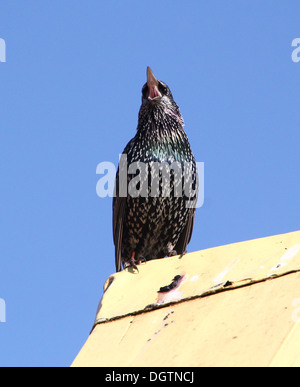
(153, 214)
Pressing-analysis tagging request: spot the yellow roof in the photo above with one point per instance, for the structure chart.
(233, 305)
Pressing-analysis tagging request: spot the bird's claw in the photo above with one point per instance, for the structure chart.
(134, 262)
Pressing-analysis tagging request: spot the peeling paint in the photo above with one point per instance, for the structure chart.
(287, 256)
(171, 293)
(226, 270)
(174, 284)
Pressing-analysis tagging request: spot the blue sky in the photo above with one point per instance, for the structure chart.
(70, 92)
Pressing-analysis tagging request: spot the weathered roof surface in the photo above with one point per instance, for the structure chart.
(233, 305)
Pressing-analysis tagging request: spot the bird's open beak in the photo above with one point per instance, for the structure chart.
(152, 83)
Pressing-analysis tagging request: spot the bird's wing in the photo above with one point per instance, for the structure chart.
(119, 204)
(119, 207)
(186, 234)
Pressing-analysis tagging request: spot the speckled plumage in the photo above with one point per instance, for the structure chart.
(153, 224)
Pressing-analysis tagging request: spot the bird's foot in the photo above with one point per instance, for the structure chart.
(169, 252)
(133, 262)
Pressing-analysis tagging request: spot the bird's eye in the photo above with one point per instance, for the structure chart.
(162, 88)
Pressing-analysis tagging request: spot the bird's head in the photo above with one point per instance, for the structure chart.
(156, 94)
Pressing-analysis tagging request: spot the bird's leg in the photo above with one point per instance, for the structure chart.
(133, 262)
(170, 252)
